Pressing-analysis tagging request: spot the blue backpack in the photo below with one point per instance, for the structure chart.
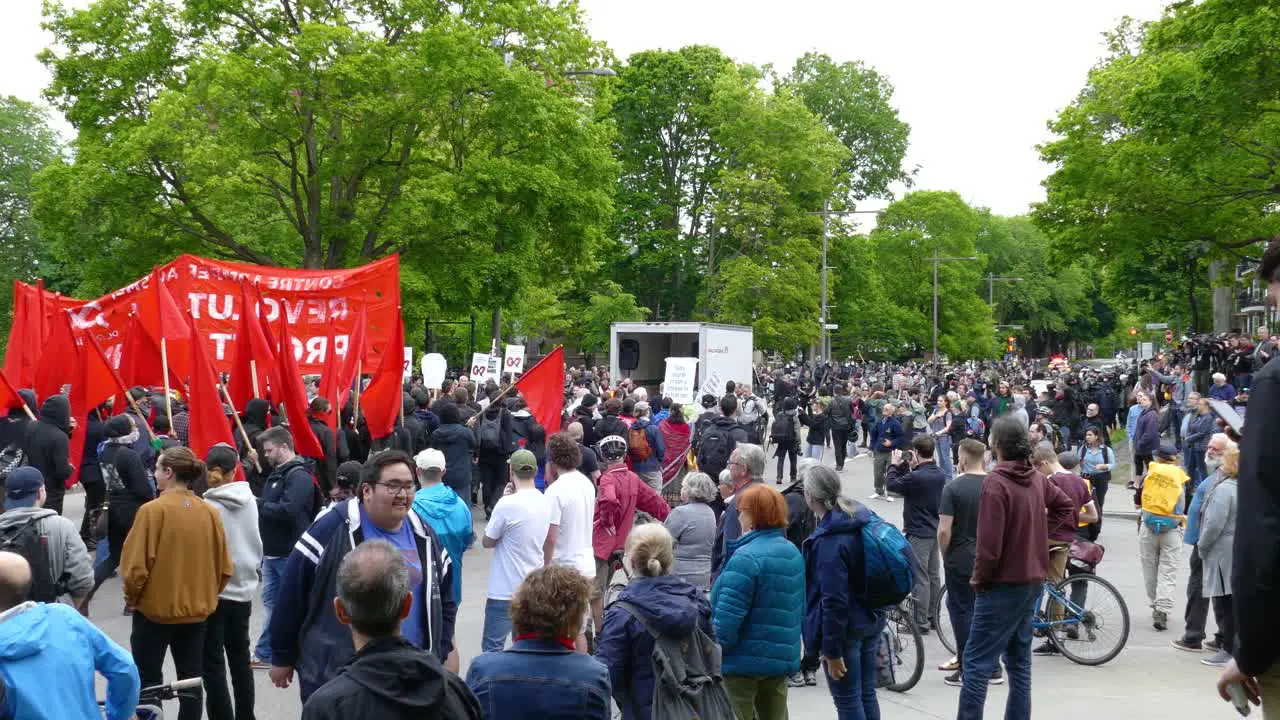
(888, 564)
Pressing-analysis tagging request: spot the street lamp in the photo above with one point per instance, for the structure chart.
(991, 286)
(826, 214)
(936, 261)
(598, 72)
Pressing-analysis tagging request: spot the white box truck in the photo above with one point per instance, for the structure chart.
(639, 350)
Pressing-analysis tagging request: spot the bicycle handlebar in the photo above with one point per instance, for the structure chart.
(188, 684)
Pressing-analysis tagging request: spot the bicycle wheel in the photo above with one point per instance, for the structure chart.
(1097, 620)
(908, 651)
(942, 622)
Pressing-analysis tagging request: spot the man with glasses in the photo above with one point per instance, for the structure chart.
(289, 501)
(306, 634)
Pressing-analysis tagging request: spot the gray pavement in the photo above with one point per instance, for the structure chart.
(1149, 679)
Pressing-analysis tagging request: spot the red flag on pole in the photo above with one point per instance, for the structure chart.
(255, 358)
(9, 397)
(61, 344)
(207, 425)
(351, 369)
(140, 359)
(93, 381)
(543, 389)
(21, 355)
(294, 397)
(381, 401)
(329, 381)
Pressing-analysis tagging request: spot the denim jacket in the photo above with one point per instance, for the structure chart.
(539, 679)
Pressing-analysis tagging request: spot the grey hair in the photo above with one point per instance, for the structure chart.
(754, 458)
(804, 466)
(698, 487)
(1227, 443)
(373, 581)
(726, 477)
(640, 394)
(822, 487)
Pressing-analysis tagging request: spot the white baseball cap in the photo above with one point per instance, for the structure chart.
(430, 458)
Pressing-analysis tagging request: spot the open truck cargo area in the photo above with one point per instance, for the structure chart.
(640, 350)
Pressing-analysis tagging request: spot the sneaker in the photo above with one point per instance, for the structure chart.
(1159, 620)
(954, 679)
(997, 678)
(810, 678)
(258, 663)
(1212, 645)
(951, 665)
(873, 496)
(796, 680)
(1218, 659)
(1187, 646)
(779, 481)
(1046, 648)
(887, 498)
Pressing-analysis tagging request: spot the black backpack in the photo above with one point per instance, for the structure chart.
(716, 447)
(686, 670)
(27, 541)
(491, 433)
(784, 429)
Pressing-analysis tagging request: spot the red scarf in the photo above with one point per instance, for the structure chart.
(565, 641)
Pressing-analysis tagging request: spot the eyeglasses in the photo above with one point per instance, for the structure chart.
(397, 488)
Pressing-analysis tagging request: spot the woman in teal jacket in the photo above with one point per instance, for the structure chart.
(758, 607)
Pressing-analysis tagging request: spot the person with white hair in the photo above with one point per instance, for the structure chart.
(693, 526)
(1221, 389)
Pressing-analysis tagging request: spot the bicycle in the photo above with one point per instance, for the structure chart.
(906, 649)
(1088, 620)
(151, 699)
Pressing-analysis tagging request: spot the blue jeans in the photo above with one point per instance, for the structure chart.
(1193, 460)
(942, 453)
(855, 695)
(497, 625)
(1001, 624)
(272, 574)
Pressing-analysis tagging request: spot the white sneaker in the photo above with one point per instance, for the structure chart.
(873, 496)
(887, 498)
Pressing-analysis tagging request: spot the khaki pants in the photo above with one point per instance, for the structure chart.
(1269, 688)
(1059, 553)
(757, 698)
(1160, 554)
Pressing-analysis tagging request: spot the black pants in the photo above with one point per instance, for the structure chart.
(151, 640)
(787, 450)
(119, 521)
(493, 478)
(54, 491)
(960, 601)
(840, 438)
(866, 435)
(226, 644)
(1197, 612)
(95, 493)
(1224, 613)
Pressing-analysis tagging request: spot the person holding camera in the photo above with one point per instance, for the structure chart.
(915, 476)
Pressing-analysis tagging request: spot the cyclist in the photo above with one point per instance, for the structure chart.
(1048, 463)
(49, 653)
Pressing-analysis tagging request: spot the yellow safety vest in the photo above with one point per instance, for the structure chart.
(1088, 485)
(1163, 488)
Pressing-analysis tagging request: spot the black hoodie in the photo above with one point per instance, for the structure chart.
(48, 444)
(391, 679)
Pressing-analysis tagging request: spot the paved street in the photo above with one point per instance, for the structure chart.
(1148, 680)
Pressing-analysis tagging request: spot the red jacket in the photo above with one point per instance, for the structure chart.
(1013, 526)
(619, 494)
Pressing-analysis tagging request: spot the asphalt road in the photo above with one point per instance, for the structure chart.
(1149, 679)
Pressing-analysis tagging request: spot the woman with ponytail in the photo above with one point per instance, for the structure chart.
(671, 605)
(174, 565)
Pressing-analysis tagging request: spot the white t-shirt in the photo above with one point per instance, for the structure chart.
(519, 522)
(573, 508)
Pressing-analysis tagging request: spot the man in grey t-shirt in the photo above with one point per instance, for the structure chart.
(958, 538)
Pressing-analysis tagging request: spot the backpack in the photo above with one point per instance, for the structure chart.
(11, 458)
(111, 477)
(841, 413)
(686, 672)
(490, 434)
(715, 448)
(784, 429)
(974, 428)
(887, 564)
(638, 444)
(27, 541)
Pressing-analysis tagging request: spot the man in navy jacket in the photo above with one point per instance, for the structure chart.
(886, 436)
(919, 481)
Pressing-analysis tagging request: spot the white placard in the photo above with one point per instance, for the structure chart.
(408, 362)
(479, 367)
(434, 368)
(712, 386)
(513, 361)
(680, 380)
(492, 371)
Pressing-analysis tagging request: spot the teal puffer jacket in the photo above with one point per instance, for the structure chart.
(758, 605)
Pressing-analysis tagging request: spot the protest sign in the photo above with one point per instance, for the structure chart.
(680, 380)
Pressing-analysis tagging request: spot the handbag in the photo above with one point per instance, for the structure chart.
(99, 521)
(1086, 555)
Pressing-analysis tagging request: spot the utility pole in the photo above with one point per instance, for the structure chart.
(936, 261)
(824, 347)
(991, 286)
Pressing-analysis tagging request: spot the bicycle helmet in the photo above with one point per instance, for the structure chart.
(612, 448)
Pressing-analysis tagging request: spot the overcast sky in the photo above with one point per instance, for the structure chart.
(976, 80)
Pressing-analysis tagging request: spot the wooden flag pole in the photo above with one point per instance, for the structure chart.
(355, 414)
(168, 396)
(239, 426)
(253, 372)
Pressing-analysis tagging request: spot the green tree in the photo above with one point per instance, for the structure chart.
(327, 134)
(871, 327)
(27, 144)
(906, 237)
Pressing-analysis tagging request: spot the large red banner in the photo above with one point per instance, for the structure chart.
(320, 306)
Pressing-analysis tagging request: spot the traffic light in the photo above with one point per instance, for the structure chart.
(1012, 339)
(1133, 331)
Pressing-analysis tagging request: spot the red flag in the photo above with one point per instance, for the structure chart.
(93, 382)
(253, 352)
(207, 424)
(22, 354)
(351, 369)
(382, 400)
(543, 389)
(294, 396)
(61, 344)
(140, 359)
(170, 328)
(330, 381)
(9, 398)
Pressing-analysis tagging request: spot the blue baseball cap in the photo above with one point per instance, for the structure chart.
(22, 487)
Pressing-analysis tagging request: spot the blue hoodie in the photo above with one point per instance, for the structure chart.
(48, 655)
(834, 564)
(441, 508)
(672, 606)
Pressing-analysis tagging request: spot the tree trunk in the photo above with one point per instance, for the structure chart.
(1192, 305)
(1222, 296)
(497, 327)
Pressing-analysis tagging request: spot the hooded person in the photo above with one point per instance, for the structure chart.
(128, 487)
(444, 510)
(48, 448)
(1019, 411)
(458, 444)
(13, 427)
(585, 413)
